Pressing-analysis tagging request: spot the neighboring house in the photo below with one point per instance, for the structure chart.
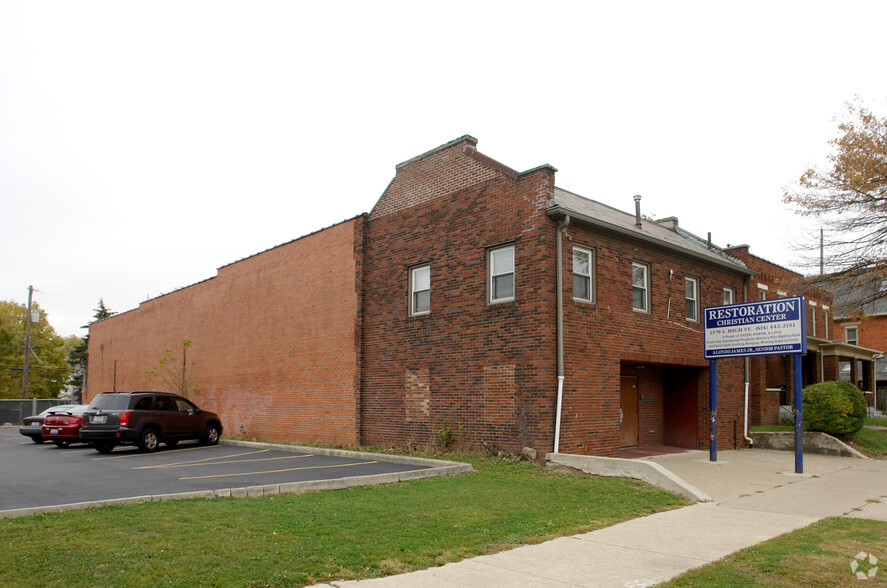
(473, 301)
(861, 317)
(771, 377)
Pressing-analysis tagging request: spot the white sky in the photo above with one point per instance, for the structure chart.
(145, 144)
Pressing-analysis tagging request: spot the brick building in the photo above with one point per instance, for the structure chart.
(473, 301)
(770, 378)
(861, 319)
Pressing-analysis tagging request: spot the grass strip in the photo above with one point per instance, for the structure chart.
(819, 555)
(296, 540)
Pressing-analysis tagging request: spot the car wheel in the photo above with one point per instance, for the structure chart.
(149, 440)
(38, 439)
(61, 443)
(104, 447)
(171, 442)
(211, 436)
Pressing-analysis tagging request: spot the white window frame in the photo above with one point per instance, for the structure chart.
(414, 291)
(847, 329)
(694, 300)
(589, 277)
(729, 293)
(645, 287)
(495, 273)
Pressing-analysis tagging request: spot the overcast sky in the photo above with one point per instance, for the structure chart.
(145, 144)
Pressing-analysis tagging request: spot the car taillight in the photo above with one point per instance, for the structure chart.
(75, 420)
(124, 419)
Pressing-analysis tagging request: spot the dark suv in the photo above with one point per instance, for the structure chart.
(146, 419)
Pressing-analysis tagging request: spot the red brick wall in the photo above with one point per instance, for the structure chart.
(600, 337)
(275, 340)
(486, 371)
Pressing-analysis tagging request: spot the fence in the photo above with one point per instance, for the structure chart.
(13, 411)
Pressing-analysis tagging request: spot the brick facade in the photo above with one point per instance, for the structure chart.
(314, 340)
(275, 340)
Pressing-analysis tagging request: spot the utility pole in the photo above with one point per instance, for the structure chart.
(26, 365)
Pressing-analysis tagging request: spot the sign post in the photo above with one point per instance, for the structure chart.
(767, 327)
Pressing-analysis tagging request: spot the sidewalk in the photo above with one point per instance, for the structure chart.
(757, 496)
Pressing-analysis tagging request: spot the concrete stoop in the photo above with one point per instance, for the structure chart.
(639, 469)
(814, 442)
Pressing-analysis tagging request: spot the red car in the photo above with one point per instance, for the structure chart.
(63, 428)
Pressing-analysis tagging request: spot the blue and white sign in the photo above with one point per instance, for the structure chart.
(768, 327)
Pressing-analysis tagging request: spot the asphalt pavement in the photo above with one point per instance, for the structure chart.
(45, 478)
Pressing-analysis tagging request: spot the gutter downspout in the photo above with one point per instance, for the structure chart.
(747, 369)
(560, 331)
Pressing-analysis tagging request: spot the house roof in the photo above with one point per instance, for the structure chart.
(667, 235)
(866, 294)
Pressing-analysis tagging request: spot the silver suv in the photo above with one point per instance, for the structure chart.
(146, 419)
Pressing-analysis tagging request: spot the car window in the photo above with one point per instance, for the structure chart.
(143, 404)
(164, 403)
(183, 405)
(110, 401)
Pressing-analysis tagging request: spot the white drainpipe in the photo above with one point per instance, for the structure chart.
(560, 333)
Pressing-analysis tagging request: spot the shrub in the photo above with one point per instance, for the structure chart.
(837, 408)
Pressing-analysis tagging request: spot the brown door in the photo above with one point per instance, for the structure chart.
(680, 408)
(628, 407)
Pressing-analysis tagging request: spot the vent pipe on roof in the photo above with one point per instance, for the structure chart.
(709, 239)
(637, 210)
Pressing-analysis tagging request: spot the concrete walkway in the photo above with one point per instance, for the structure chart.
(757, 496)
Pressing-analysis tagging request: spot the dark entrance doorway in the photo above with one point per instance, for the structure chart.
(680, 408)
(628, 406)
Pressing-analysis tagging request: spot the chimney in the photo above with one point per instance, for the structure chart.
(637, 210)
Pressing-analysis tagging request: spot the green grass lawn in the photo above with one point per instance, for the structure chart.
(295, 540)
(818, 555)
(876, 422)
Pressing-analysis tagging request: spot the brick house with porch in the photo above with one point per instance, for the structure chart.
(473, 299)
(770, 378)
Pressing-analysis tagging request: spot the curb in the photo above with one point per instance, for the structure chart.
(436, 468)
(615, 467)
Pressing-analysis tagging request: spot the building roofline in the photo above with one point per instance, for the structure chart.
(463, 139)
(560, 210)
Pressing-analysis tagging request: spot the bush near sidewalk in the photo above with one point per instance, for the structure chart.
(837, 408)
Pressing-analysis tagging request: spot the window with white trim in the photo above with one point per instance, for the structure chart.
(500, 268)
(691, 297)
(420, 290)
(729, 295)
(851, 334)
(640, 287)
(583, 274)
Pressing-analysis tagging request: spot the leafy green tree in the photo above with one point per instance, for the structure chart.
(48, 371)
(78, 353)
(849, 196)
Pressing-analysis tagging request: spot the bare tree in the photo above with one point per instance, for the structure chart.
(849, 196)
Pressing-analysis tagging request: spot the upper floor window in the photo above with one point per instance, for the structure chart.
(500, 267)
(640, 287)
(852, 335)
(420, 290)
(583, 272)
(691, 296)
(729, 296)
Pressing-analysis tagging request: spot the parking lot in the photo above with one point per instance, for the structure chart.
(40, 476)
